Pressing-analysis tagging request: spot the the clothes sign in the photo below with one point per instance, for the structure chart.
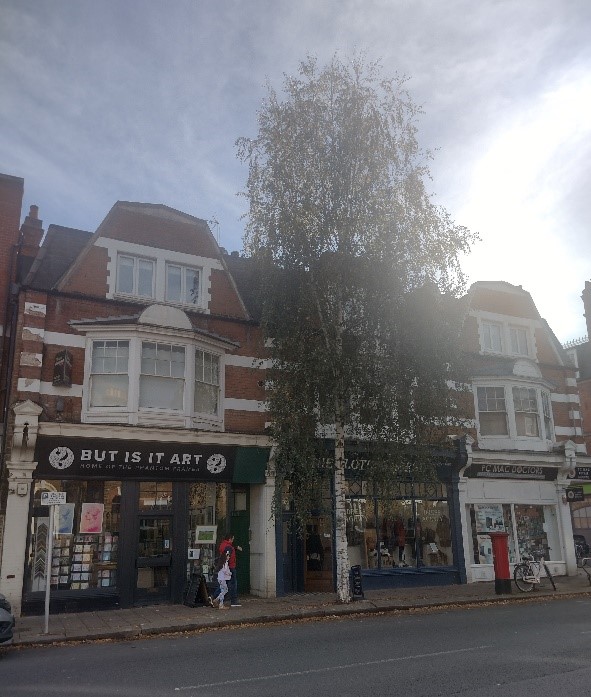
(53, 498)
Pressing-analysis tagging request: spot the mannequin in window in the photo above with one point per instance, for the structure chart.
(314, 551)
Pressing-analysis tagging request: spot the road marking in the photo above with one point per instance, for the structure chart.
(311, 671)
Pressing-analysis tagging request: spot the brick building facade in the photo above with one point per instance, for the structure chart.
(527, 440)
(134, 372)
(135, 389)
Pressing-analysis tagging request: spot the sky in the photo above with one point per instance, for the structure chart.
(135, 100)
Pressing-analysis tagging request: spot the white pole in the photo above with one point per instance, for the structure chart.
(48, 559)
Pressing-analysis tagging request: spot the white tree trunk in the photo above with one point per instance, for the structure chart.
(342, 556)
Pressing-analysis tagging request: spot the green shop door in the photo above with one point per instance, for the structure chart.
(240, 527)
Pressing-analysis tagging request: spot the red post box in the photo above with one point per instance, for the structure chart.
(500, 549)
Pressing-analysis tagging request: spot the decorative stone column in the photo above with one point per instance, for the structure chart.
(20, 468)
(564, 512)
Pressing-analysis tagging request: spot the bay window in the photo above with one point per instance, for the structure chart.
(162, 375)
(207, 382)
(144, 380)
(492, 411)
(517, 412)
(109, 379)
(526, 411)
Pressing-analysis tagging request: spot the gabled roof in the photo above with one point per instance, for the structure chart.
(244, 272)
(59, 250)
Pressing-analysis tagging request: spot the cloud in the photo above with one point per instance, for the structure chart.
(143, 101)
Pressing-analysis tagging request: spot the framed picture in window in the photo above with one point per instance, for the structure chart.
(91, 517)
(206, 534)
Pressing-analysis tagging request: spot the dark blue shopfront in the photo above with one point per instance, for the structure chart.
(412, 537)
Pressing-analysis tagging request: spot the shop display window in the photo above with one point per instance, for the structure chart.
(86, 537)
(208, 509)
(409, 531)
(155, 496)
(532, 529)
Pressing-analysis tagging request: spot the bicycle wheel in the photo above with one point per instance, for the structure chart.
(520, 577)
(549, 575)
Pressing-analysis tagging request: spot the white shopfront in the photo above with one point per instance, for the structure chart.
(524, 498)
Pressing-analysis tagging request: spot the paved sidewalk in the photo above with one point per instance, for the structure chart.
(163, 619)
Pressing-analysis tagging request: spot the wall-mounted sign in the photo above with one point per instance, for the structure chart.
(66, 458)
(575, 493)
(580, 473)
(53, 498)
(510, 471)
(62, 369)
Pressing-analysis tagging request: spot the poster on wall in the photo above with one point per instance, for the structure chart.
(91, 517)
(484, 550)
(489, 518)
(64, 520)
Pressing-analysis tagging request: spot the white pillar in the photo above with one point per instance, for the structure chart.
(20, 468)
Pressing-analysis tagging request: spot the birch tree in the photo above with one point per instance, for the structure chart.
(357, 269)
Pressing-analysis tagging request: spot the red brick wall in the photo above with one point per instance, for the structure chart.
(90, 277)
(11, 199)
(135, 225)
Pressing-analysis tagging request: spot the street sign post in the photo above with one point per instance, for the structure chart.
(52, 499)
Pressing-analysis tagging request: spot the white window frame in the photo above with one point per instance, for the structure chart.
(493, 411)
(118, 359)
(542, 442)
(135, 282)
(518, 335)
(132, 413)
(487, 336)
(205, 265)
(509, 329)
(183, 295)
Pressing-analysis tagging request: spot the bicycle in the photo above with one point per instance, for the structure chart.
(527, 573)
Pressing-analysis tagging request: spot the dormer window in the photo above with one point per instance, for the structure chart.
(491, 335)
(183, 284)
(502, 337)
(519, 343)
(135, 276)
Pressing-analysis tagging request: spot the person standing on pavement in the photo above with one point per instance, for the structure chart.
(228, 544)
(223, 575)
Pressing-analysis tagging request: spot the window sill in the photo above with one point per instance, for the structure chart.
(508, 443)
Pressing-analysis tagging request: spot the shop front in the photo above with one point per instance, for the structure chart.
(524, 500)
(411, 536)
(579, 497)
(139, 518)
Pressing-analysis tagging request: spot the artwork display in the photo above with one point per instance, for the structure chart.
(91, 518)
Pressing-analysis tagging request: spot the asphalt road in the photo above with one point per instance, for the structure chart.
(539, 649)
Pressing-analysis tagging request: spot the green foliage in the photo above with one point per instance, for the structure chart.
(358, 272)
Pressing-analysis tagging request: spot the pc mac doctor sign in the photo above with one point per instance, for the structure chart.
(69, 458)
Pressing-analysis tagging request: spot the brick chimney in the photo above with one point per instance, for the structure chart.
(586, 296)
(31, 234)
